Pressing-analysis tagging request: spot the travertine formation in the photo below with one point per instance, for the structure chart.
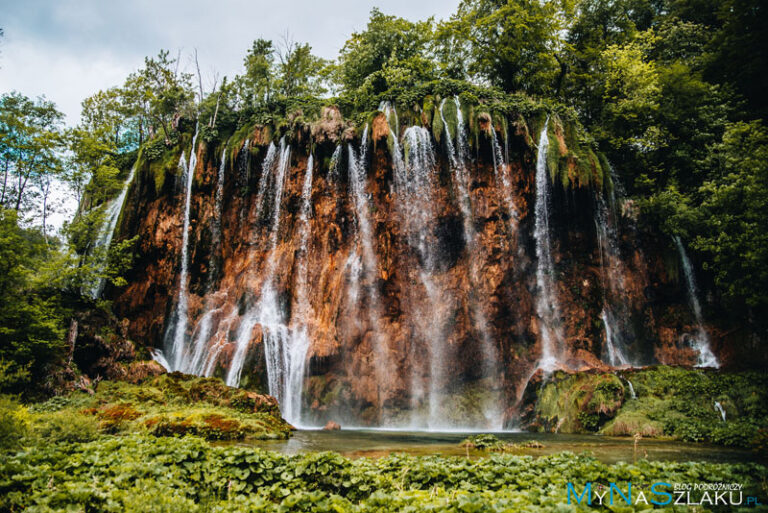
(388, 276)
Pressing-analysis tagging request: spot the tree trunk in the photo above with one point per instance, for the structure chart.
(5, 182)
(71, 338)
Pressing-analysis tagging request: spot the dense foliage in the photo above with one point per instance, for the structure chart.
(668, 401)
(138, 473)
(670, 91)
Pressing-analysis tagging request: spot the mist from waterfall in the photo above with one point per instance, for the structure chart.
(700, 339)
(547, 307)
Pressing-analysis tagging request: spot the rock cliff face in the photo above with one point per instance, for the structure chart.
(388, 275)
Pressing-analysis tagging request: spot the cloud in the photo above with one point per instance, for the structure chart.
(69, 49)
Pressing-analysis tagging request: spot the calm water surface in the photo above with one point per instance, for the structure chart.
(357, 443)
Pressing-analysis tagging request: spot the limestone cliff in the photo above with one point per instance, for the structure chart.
(388, 273)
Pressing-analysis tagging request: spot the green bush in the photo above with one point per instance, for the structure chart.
(484, 441)
(65, 426)
(143, 473)
(13, 423)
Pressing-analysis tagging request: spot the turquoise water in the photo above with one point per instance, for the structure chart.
(376, 443)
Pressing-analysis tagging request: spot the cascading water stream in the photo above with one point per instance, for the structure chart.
(458, 159)
(614, 352)
(363, 263)
(266, 310)
(301, 313)
(112, 214)
(285, 349)
(414, 185)
(719, 408)
(197, 362)
(501, 173)
(632, 393)
(181, 318)
(615, 312)
(334, 165)
(547, 307)
(700, 340)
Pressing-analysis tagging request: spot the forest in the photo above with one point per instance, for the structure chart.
(669, 95)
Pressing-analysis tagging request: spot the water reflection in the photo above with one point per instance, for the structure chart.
(377, 443)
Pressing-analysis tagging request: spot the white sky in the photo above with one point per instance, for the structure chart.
(69, 49)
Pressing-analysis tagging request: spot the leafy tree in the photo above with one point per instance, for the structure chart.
(30, 140)
(739, 47)
(159, 93)
(734, 226)
(31, 327)
(391, 52)
(299, 73)
(515, 45)
(255, 85)
(107, 115)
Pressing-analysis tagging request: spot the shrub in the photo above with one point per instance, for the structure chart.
(65, 426)
(13, 423)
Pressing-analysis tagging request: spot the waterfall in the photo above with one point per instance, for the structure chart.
(306, 207)
(547, 307)
(700, 340)
(632, 393)
(181, 318)
(616, 311)
(265, 311)
(363, 263)
(299, 343)
(198, 361)
(362, 215)
(615, 354)
(213, 264)
(458, 158)
(500, 172)
(719, 408)
(159, 357)
(457, 155)
(285, 349)
(414, 184)
(334, 164)
(111, 216)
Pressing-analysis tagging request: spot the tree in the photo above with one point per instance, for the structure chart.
(513, 44)
(31, 324)
(255, 84)
(733, 233)
(299, 73)
(30, 140)
(391, 52)
(159, 93)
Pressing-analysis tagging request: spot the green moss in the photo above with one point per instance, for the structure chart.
(169, 405)
(671, 402)
(573, 403)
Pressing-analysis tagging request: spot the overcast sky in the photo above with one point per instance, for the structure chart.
(69, 49)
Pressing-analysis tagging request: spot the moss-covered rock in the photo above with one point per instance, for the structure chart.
(168, 405)
(669, 401)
